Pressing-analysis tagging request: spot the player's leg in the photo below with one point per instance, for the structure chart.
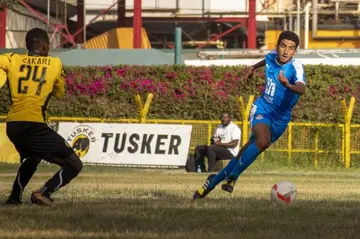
(70, 168)
(16, 132)
(262, 142)
(25, 172)
(262, 135)
(49, 145)
(214, 179)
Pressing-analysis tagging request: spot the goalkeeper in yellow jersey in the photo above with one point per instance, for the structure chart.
(32, 79)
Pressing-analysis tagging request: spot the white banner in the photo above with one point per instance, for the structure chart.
(139, 144)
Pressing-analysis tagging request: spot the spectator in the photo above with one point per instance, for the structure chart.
(224, 144)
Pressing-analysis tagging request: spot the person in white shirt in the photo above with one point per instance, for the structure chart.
(225, 144)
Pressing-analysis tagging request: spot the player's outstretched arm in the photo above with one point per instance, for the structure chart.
(259, 64)
(4, 66)
(250, 70)
(5, 61)
(298, 87)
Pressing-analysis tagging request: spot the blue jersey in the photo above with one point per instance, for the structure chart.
(277, 100)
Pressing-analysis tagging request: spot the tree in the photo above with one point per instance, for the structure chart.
(8, 3)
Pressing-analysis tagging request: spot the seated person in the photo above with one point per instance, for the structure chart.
(224, 144)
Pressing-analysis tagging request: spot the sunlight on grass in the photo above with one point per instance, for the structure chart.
(138, 203)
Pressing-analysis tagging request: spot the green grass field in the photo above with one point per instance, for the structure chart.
(108, 202)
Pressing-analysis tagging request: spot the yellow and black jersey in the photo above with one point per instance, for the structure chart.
(32, 80)
(3, 77)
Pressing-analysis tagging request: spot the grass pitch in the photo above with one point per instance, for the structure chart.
(105, 202)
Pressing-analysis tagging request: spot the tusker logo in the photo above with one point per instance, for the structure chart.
(80, 139)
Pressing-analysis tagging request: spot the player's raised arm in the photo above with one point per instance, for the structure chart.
(299, 86)
(4, 66)
(259, 64)
(5, 62)
(300, 80)
(250, 70)
(59, 86)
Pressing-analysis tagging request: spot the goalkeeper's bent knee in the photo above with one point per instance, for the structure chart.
(74, 162)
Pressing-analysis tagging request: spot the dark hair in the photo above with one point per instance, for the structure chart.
(225, 112)
(289, 35)
(35, 37)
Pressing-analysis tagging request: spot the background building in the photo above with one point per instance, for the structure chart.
(221, 24)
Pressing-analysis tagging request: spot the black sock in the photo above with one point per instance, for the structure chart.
(70, 168)
(60, 179)
(24, 174)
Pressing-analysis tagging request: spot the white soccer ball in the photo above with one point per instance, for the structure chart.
(283, 192)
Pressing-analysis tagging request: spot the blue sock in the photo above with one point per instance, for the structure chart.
(247, 158)
(222, 174)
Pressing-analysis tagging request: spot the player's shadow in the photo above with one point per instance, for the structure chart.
(171, 216)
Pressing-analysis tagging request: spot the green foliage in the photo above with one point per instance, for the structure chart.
(184, 92)
(8, 3)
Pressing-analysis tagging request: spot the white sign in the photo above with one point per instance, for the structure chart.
(140, 144)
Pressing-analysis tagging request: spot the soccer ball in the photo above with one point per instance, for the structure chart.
(283, 192)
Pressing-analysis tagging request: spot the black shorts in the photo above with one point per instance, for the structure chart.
(33, 139)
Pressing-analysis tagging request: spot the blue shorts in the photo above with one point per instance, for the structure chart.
(260, 116)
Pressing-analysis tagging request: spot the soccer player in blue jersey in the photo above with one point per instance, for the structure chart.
(270, 113)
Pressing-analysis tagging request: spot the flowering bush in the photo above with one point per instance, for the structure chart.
(183, 92)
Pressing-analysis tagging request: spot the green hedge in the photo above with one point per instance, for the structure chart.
(183, 92)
